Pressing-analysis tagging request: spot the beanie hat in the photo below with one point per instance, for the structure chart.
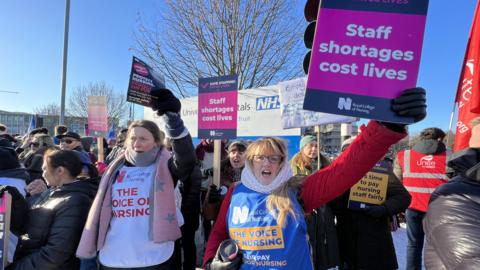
(237, 145)
(346, 143)
(8, 156)
(306, 140)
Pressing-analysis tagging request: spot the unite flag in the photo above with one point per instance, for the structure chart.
(468, 92)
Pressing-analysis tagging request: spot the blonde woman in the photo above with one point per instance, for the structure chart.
(305, 161)
(262, 213)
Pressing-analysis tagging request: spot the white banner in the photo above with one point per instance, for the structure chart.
(292, 94)
(258, 114)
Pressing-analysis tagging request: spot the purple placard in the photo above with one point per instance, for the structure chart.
(217, 107)
(361, 59)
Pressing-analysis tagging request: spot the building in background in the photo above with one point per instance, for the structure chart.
(18, 122)
(331, 136)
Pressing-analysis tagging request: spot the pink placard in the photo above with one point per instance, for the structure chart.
(97, 114)
(380, 63)
(217, 110)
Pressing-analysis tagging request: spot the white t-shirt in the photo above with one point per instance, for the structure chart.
(127, 243)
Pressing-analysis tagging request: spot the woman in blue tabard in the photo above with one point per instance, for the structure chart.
(263, 215)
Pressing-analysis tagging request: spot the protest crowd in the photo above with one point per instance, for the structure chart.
(153, 198)
(144, 206)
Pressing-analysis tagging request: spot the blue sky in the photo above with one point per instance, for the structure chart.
(101, 33)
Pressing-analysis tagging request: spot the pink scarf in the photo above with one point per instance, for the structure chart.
(163, 222)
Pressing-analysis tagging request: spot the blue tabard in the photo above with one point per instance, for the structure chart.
(264, 244)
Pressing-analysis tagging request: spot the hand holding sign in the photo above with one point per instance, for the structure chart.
(163, 101)
(412, 103)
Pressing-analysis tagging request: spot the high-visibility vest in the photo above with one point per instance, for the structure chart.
(422, 174)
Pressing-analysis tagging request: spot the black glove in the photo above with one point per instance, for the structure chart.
(19, 209)
(208, 172)
(411, 103)
(376, 211)
(214, 195)
(233, 262)
(163, 101)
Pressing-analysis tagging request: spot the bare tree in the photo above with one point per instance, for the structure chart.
(78, 101)
(258, 40)
(49, 109)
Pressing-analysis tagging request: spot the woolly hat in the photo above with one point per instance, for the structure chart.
(306, 140)
(346, 143)
(8, 156)
(69, 134)
(237, 145)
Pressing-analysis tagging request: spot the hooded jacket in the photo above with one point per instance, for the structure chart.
(452, 227)
(54, 226)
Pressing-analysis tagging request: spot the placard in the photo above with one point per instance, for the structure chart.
(364, 54)
(5, 208)
(142, 80)
(292, 95)
(97, 116)
(371, 189)
(217, 107)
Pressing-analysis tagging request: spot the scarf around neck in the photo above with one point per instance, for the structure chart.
(143, 159)
(250, 181)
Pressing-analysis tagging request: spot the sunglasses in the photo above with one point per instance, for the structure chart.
(275, 159)
(67, 141)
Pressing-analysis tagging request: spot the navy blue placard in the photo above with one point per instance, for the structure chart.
(218, 84)
(219, 134)
(142, 80)
(418, 7)
(353, 105)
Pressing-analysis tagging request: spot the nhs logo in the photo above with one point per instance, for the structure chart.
(344, 103)
(268, 103)
(240, 215)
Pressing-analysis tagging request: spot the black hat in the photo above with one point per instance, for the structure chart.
(40, 130)
(69, 134)
(8, 156)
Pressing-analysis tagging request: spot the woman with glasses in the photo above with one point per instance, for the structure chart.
(263, 215)
(55, 220)
(34, 159)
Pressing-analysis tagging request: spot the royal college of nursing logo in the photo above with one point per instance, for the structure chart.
(426, 162)
(344, 103)
(240, 214)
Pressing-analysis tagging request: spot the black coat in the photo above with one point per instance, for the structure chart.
(366, 242)
(452, 225)
(54, 226)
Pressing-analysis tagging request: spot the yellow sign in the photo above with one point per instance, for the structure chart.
(371, 189)
(258, 238)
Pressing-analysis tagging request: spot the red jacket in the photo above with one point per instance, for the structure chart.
(326, 184)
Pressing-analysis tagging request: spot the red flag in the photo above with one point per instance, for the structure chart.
(468, 92)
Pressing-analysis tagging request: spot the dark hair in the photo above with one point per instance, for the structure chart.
(158, 136)
(3, 127)
(60, 129)
(432, 134)
(69, 159)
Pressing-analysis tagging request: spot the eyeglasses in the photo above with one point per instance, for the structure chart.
(67, 141)
(275, 159)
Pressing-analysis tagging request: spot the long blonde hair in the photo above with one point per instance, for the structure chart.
(301, 161)
(279, 200)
